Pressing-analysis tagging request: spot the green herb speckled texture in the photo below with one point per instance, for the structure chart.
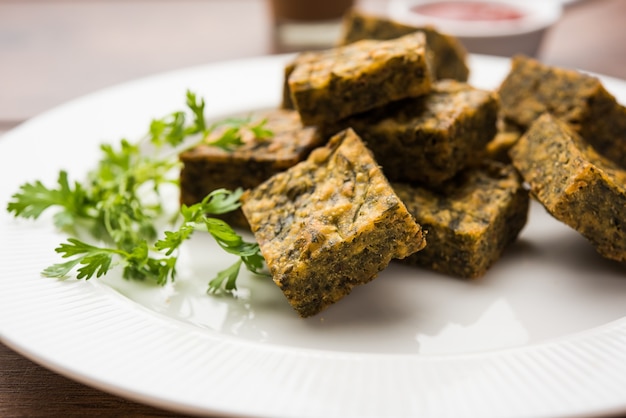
(576, 185)
(431, 138)
(207, 168)
(329, 85)
(532, 88)
(448, 54)
(329, 223)
(469, 220)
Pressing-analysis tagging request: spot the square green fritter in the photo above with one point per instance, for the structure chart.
(207, 168)
(431, 138)
(532, 88)
(329, 85)
(449, 56)
(575, 184)
(329, 223)
(469, 220)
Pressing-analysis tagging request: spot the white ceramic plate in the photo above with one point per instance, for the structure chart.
(542, 334)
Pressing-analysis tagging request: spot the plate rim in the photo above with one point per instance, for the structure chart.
(54, 363)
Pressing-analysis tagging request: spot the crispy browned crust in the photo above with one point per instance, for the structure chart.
(329, 224)
(532, 88)
(470, 220)
(576, 185)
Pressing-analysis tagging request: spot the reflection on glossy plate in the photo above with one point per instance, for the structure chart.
(542, 334)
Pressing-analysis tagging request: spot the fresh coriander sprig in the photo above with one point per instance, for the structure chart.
(34, 198)
(217, 202)
(120, 205)
(158, 263)
(173, 129)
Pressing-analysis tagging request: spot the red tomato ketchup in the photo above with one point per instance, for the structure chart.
(469, 11)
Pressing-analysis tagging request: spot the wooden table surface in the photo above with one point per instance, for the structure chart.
(53, 51)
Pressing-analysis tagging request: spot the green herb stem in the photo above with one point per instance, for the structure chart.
(119, 204)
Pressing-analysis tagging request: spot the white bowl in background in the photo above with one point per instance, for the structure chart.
(504, 28)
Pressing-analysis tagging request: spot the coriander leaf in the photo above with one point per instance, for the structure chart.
(169, 130)
(75, 247)
(231, 132)
(96, 264)
(231, 242)
(226, 280)
(162, 269)
(175, 132)
(221, 201)
(260, 131)
(225, 236)
(174, 239)
(229, 139)
(218, 201)
(197, 108)
(115, 162)
(93, 260)
(60, 270)
(157, 130)
(120, 204)
(34, 198)
(232, 122)
(140, 265)
(255, 262)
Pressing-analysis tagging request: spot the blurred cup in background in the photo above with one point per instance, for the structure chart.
(300, 25)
